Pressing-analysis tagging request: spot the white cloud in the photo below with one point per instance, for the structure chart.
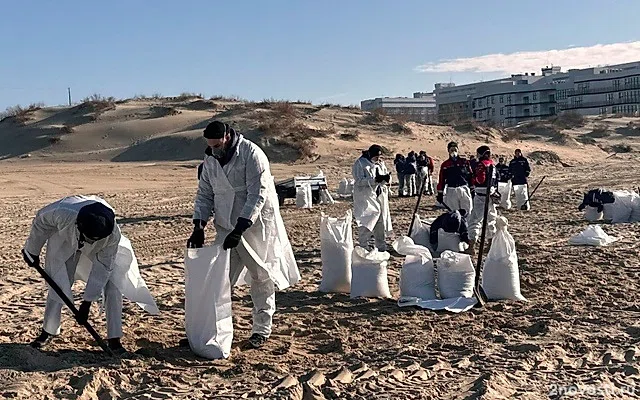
(532, 61)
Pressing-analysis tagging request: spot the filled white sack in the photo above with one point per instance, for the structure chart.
(504, 188)
(336, 244)
(456, 275)
(304, 196)
(592, 236)
(591, 214)
(417, 276)
(500, 274)
(369, 273)
(325, 197)
(420, 231)
(522, 195)
(449, 241)
(207, 305)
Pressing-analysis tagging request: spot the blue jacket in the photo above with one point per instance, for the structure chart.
(519, 169)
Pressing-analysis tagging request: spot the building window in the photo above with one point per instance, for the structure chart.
(501, 110)
(614, 110)
(509, 111)
(493, 112)
(501, 99)
(535, 108)
(535, 95)
(508, 99)
(616, 84)
(493, 100)
(473, 104)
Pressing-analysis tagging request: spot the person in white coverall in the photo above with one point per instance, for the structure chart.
(237, 187)
(78, 228)
(371, 199)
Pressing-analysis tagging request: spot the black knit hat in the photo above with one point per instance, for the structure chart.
(482, 150)
(452, 144)
(215, 130)
(375, 150)
(96, 221)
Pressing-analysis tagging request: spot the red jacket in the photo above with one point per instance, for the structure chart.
(454, 173)
(479, 178)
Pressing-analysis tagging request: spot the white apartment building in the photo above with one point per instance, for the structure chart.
(420, 108)
(506, 102)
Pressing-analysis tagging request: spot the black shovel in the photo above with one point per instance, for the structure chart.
(477, 288)
(415, 211)
(66, 301)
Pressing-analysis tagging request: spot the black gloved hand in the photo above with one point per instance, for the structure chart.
(600, 208)
(582, 207)
(196, 240)
(83, 312)
(440, 197)
(35, 260)
(379, 178)
(387, 178)
(233, 239)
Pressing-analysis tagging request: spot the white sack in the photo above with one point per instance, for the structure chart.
(369, 273)
(500, 274)
(455, 305)
(456, 275)
(420, 231)
(449, 241)
(591, 214)
(417, 277)
(350, 183)
(592, 236)
(624, 209)
(343, 187)
(522, 195)
(207, 305)
(336, 238)
(304, 196)
(504, 188)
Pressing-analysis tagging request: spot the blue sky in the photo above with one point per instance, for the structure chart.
(323, 51)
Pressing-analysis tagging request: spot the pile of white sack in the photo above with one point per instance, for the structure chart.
(420, 233)
(594, 235)
(345, 188)
(304, 196)
(504, 188)
(625, 209)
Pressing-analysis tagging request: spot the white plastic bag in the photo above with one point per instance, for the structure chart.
(504, 188)
(456, 275)
(592, 236)
(500, 274)
(449, 241)
(420, 232)
(304, 196)
(336, 238)
(591, 214)
(522, 195)
(417, 277)
(350, 184)
(207, 305)
(343, 187)
(369, 273)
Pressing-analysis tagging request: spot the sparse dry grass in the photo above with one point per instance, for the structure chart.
(20, 114)
(349, 136)
(97, 105)
(375, 117)
(568, 120)
(511, 135)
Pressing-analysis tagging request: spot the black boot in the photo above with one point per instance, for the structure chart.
(183, 342)
(41, 340)
(116, 346)
(256, 341)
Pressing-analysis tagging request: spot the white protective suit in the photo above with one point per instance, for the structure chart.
(625, 208)
(245, 188)
(108, 265)
(476, 217)
(371, 203)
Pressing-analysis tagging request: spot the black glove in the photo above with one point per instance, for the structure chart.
(233, 239)
(387, 178)
(379, 178)
(600, 208)
(83, 312)
(196, 240)
(36, 259)
(582, 207)
(440, 197)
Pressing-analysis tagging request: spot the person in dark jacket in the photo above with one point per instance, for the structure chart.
(519, 169)
(398, 162)
(503, 170)
(425, 170)
(596, 198)
(410, 170)
(454, 184)
(451, 222)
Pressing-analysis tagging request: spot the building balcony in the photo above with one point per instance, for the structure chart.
(601, 103)
(608, 89)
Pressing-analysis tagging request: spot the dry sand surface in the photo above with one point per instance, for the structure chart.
(579, 327)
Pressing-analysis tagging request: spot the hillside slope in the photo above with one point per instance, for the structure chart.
(171, 130)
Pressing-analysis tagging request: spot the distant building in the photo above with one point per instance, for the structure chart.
(420, 108)
(603, 90)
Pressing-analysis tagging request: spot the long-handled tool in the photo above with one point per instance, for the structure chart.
(415, 211)
(534, 191)
(66, 301)
(478, 291)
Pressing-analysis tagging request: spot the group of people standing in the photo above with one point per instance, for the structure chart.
(412, 171)
(462, 189)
